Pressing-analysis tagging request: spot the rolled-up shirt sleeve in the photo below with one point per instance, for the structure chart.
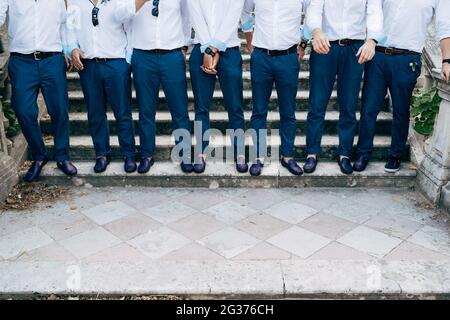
(186, 23)
(229, 25)
(73, 26)
(247, 19)
(314, 15)
(443, 19)
(198, 22)
(375, 20)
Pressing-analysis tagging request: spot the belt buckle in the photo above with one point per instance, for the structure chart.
(389, 51)
(37, 56)
(268, 53)
(100, 60)
(340, 43)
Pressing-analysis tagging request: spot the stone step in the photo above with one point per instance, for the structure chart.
(82, 148)
(168, 174)
(73, 81)
(219, 120)
(77, 103)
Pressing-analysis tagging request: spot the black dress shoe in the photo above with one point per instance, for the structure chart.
(145, 165)
(241, 165)
(101, 164)
(310, 165)
(200, 167)
(34, 172)
(346, 165)
(129, 165)
(187, 167)
(393, 164)
(256, 168)
(67, 167)
(292, 167)
(361, 163)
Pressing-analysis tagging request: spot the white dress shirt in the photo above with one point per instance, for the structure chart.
(34, 25)
(170, 30)
(106, 40)
(278, 23)
(346, 19)
(216, 22)
(407, 21)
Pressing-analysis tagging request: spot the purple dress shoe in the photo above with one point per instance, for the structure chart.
(67, 167)
(256, 168)
(292, 167)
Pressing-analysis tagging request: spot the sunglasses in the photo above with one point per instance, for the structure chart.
(95, 11)
(155, 10)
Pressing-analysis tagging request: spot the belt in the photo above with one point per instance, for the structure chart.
(160, 51)
(278, 52)
(345, 42)
(102, 60)
(395, 51)
(35, 55)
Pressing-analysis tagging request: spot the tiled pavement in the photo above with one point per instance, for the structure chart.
(259, 232)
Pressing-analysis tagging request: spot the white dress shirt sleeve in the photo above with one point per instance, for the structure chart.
(3, 11)
(443, 19)
(314, 15)
(375, 20)
(186, 23)
(63, 28)
(199, 23)
(247, 19)
(72, 26)
(229, 25)
(125, 10)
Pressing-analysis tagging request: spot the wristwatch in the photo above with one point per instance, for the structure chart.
(303, 44)
(446, 61)
(210, 52)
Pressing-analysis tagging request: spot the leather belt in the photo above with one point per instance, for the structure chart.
(278, 52)
(160, 51)
(345, 42)
(102, 60)
(395, 51)
(35, 55)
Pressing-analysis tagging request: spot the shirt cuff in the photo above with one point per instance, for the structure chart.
(214, 43)
(378, 36)
(128, 55)
(306, 33)
(248, 25)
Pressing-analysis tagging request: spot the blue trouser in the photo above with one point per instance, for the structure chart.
(341, 63)
(385, 72)
(229, 73)
(150, 70)
(27, 78)
(283, 71)
(110, 82)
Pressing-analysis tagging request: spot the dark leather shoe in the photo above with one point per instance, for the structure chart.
(101, 164)
(310, 165)
(129, 165)
(292, 167)
(241, 165)
(67, 167)
(256, 168)
(145, 165)
(187, 167)
(361, 163)
(346, 166)
(200, 167)
(34, 172)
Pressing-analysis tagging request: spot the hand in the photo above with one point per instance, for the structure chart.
(250, 48)
(301, 53)
(366, 52)
(184, 51)
(320, 42)
(445, 73)
(210, 63)
(77, 55)
(69, 63)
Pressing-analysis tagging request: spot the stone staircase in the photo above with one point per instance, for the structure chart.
(168, 174)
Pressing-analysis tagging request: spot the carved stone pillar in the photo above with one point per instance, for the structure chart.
(434, 171)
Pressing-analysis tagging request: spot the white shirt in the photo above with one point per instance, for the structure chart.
(170, 30)
(407, 21)
(34, 25)
(106, 40)
(347, 19)
(216, 22)
(278, 23)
